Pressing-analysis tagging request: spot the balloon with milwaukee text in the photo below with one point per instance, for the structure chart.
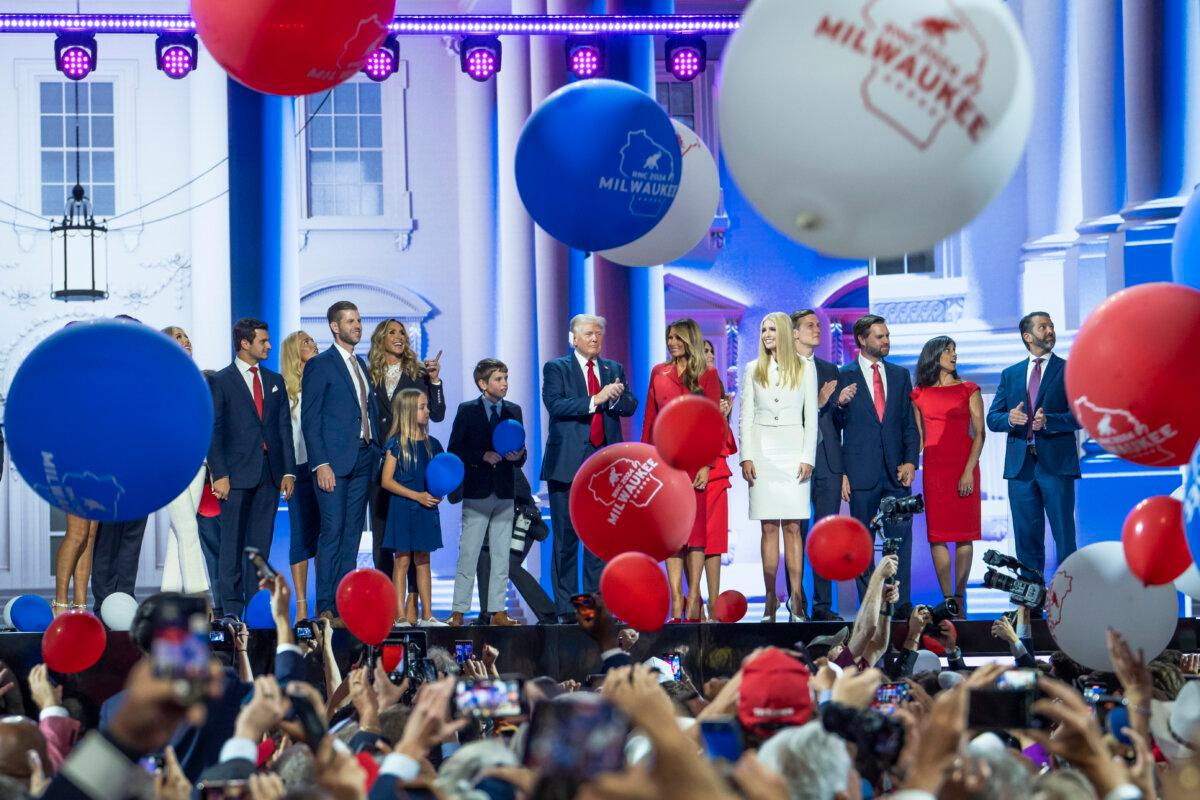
(366, 602)
(598, 164)
(690, 432)
(635, 590)
(1142, 409)
(691, 214)
(292, 47)
(625, 498)
(74, 642)
(1153, 540)
(839, 548)
(865, 129)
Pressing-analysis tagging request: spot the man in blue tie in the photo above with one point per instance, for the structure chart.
(1041, 462)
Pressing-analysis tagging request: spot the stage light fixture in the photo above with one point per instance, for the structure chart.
(479, 56)
(686, 56)
(175, 54)
(383, 63)
(585, 56)
(75, 54)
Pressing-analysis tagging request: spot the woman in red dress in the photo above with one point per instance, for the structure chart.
(685, 372)
(949, 414)
(716, 495)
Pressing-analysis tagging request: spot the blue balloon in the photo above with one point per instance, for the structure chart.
(508, 436)
(1117, 721)
(444, 474)
(1191, 505)
(29, 613)
(258, 612)
(598, 164)
(108, 420)
(1185, 247)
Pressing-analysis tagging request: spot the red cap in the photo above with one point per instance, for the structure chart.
(774, 693)
(370, 766)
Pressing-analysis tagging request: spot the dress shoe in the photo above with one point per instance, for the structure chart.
(825, 615)
(456, 620)
(502, 618)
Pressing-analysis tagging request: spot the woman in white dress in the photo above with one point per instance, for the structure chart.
(183, 567)
(778, 427)
(304, 518)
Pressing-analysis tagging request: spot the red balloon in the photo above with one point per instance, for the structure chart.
(366, 601)
(1141, 407)
(626, 499)
(690, 432)
(635, 590)
(839, 548)
(390, 656)
(1155, 545)
(730, 606)
(292, 47)
(74, 642)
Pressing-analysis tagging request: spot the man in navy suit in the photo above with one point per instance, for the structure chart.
(251, 460)
(585, 396)
(827, 472)
(1041, 458)
(880, 442)
(340, 420)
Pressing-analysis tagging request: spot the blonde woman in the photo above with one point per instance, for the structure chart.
(778, 424)
(184, 569)
(304, 517)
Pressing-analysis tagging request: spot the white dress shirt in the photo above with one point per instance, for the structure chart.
(248, 376)
(1029, 370)
(583, 366)
(865, 365)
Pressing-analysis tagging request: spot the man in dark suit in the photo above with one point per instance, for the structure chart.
(340, 419)
(827, 474)
(880, 442)
(251, 460)
(1041, 458)
(585, 396)
(487, 492)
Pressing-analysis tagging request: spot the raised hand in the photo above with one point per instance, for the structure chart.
(825, 393)
(847, 394)
(433, 366)
(1017, 417)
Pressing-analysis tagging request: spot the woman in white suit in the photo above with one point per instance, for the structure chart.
(778, 425)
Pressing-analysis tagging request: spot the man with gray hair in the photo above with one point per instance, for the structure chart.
(585, 396)
(815, 764)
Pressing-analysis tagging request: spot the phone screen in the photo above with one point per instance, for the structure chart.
(463, 650)
(889, 696)
(722, 739)
(1018, 680)
(673, 660)
(304, 631)
(492, 697)
(577, 735)
(180, 649)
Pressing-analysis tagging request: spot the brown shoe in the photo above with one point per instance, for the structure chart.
(502, 618)
(456, 620)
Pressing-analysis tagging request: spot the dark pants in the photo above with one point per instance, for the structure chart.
(210, 545)
(826, 502)
(526, 584)
(247, 520)
(1033, 496)
(304, 517)
(566, 552)
(343, 512)
(864, 504)
(115, 558)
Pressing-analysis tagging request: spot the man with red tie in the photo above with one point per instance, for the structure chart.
(880, 442)
(585, 396)
(251, 461)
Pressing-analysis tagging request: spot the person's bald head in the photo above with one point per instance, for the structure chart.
(19, 735)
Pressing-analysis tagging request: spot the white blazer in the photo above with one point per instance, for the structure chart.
(774, 406)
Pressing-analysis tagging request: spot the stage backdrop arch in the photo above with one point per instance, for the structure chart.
(376, 302)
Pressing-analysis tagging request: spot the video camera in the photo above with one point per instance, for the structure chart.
(1030, 593)
(896, 509)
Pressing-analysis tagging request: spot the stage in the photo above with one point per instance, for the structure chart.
(561, 651)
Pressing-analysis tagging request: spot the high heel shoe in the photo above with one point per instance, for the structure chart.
(961, 602)
(794, 617)
(770, 608)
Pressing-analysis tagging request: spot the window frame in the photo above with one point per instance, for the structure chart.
(702, 103)
(67, 148)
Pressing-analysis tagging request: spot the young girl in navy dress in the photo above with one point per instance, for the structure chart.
(414, 527)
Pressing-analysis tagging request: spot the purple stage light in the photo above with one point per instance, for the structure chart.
(481, 64)
(585, 56)
(176, 61)
(175, 54)
(75, 54)
(685, 56)
(480, 56)
(383, 63)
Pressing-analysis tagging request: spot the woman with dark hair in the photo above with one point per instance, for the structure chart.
(949, 414)
(685, 372)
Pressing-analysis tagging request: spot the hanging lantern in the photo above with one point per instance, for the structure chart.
(79, 252)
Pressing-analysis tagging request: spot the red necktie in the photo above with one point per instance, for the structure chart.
(597, 436)
(258, 392)
(880, 400)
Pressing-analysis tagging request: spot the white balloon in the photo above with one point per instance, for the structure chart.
(117, 611)
(1189, 582)
(1092, 591)
(690, 216)
(874, 127)
(8, 613)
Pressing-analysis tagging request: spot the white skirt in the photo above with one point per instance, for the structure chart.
(777, 492)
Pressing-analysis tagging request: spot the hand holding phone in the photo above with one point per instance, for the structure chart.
(464, 650)
(489, 697)
(265, 571)
(722, 737)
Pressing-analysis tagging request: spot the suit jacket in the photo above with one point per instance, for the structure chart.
(436, 395)
(239, 435)
(829, 449)
(330, 415)
(566, 397)
(470, 438)
(869, 445)
(1057, 450)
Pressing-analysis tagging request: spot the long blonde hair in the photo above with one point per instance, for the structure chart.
(292, 366)
(697, 365)
(377, 363)
(791, 366)
(405, 425)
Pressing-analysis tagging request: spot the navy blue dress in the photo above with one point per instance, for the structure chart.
(412, 528)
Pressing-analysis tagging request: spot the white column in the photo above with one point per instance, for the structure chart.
(289, 246)
(1142, 29)
(208, 143)
(1099, 58)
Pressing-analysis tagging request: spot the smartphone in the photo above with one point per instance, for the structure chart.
(151, 764)
(428, 670)
(673, 660)
(722, 737)
(1008, 706)
(223, 790)
(576, 735)
(180, 649)
(304, 631)
(464, 650)
(414, 645)
(489, 697)
(585, 604)
(1018, 680)
(889, 696)
(265, 572)
(310, 720)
